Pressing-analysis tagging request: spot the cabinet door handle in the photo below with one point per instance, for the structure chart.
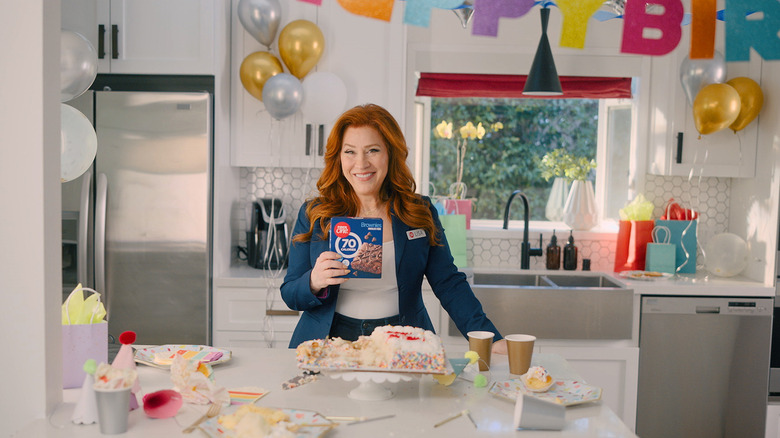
(114, 42)
(273, 312)
(321, 140)
(101, 41)
(308, 139)
(679, 147)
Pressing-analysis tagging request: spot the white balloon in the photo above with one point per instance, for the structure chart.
(726, 255)
(324, 97)
(78, 143)
(78, 65)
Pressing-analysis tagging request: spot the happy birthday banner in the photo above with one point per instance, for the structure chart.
(754, 23)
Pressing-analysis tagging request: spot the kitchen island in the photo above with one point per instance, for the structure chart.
(417, 405)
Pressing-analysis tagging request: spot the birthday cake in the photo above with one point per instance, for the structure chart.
(391, 348)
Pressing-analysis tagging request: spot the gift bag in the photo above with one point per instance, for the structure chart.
(455, 230)
(661, 253)
(683, 236)
(459, 206)
(632, 240)
(84, 335)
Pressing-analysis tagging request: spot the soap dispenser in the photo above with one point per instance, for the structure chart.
(570, 254)
(553, 253)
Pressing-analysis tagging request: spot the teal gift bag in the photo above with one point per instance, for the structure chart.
(661, 253)
(683, 236)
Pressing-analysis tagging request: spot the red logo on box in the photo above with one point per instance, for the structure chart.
(341, 229)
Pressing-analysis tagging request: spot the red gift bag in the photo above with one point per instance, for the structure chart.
(632, 240)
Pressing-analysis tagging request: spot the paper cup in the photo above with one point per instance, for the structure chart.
(520, 349)
(482, 343)
(535, 413)
(113, 410)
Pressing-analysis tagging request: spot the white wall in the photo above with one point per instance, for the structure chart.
(30, 241)
(754, 201)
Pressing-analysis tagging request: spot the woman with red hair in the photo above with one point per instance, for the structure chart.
(366, 175)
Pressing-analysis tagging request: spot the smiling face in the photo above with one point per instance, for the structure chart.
(364, 161)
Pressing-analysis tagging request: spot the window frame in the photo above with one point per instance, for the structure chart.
(422, 105)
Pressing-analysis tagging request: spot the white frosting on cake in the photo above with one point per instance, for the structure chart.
(390, 347)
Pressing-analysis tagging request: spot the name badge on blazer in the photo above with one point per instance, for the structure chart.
(415, 234)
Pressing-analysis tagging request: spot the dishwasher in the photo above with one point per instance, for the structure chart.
(703, 367)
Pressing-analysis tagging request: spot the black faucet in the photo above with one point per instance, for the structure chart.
(525, 249)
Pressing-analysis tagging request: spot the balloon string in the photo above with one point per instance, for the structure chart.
(739, 140)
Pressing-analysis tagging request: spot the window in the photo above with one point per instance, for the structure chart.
(507, 159)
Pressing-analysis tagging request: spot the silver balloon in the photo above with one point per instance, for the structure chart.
(282, 95)
(260, 18)
(78, 143)
(695, 74)
(78, 65)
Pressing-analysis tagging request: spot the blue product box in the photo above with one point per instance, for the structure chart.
(359, 243)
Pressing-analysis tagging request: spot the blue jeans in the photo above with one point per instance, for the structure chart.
(350, 329)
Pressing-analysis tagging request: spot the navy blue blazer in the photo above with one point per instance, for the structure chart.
(414, 258)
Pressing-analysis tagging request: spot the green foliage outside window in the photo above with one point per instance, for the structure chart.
(506, 160)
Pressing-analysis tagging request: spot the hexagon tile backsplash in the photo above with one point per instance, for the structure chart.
(708, 196)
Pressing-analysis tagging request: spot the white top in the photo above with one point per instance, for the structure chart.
(417, 404)
(372, 298)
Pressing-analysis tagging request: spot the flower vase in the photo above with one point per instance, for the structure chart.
(557, 200)
(580, 212)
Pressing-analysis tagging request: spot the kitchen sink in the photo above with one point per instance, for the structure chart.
(596, 281)
(556, 306)
(512, 280)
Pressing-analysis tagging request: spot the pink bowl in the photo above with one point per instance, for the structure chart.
(162, 404)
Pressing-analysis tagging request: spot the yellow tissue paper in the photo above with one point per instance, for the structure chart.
(640, 209)
(78, 310)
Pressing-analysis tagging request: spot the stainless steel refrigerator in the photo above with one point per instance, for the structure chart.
(136, 226)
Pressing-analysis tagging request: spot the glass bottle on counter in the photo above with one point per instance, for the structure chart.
(553, 253)
(570, 254)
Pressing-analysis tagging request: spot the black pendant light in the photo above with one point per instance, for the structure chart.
(543, 78)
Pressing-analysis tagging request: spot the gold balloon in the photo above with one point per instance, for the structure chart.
(301, 44)
(715, 107)
(257, 68)
(751, 98)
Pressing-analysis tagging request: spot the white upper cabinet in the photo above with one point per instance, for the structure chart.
(674, 144)
(146, 36)
(366, 54)
(258, 140)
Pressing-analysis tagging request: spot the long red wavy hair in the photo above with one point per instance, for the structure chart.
(336, 196)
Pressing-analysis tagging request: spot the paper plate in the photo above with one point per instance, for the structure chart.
(562, 392)
(645, 275)
(161, 355)
(309, 424)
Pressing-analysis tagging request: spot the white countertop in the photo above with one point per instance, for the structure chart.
(417, 404)
(699, 284)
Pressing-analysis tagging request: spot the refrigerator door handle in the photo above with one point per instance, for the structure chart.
(83, 231)
(101, 205)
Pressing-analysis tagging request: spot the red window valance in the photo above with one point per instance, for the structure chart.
(511, 86)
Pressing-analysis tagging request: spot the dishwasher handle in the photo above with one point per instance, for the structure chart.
(708, 309)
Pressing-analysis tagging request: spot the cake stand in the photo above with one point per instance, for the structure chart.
(370, 387)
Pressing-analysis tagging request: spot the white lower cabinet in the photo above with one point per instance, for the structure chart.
(772, 420)
(251, 316)
(614, 369)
